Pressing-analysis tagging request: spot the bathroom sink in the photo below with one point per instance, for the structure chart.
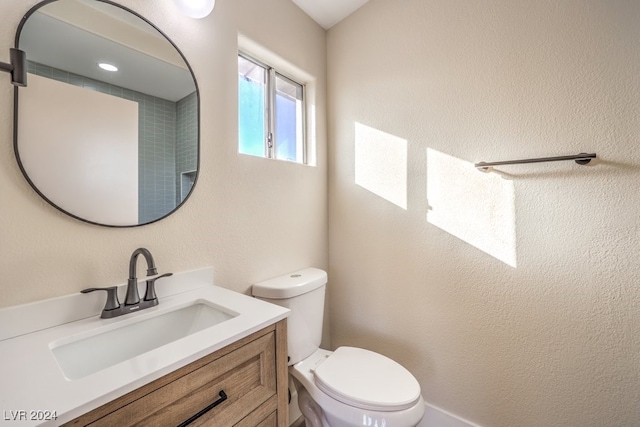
(93, 352)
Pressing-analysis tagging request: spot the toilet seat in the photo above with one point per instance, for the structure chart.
(366, 380)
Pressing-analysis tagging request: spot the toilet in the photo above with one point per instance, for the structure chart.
(349, 386)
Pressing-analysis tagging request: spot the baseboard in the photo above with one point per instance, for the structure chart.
(436, 417)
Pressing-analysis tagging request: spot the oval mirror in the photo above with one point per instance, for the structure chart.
(107, 129)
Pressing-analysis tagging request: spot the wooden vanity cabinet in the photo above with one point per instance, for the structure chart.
(243, 384)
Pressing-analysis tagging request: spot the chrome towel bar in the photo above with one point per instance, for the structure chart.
(581, 159)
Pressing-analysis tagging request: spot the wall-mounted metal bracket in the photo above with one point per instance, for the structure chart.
(17, 67)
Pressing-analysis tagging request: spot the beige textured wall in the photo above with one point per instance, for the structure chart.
(250, 218)
(540, 325)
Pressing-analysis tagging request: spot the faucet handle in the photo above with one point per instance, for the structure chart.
(150, 294)
(112, 297)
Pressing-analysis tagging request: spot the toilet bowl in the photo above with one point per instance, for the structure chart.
(349, 386)
(356, 387)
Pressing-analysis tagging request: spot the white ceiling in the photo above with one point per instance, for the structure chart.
(327, 13)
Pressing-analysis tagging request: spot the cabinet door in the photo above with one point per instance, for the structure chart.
(270, 421)
(246, 376)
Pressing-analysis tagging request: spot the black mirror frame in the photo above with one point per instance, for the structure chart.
(15, 118)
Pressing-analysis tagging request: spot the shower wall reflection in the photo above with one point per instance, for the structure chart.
(167, 141)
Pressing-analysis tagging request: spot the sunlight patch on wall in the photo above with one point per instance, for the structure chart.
(476, 207)
(381, 164)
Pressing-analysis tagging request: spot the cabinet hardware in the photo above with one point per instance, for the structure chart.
(223, 397)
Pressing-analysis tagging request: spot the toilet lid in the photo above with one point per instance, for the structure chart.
(367, 380)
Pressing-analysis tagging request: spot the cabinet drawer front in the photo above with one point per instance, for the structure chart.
(247, 376)
(270, 421)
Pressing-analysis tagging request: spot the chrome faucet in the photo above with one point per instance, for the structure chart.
(132, 302)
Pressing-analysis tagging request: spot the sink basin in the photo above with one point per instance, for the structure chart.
(79, 357)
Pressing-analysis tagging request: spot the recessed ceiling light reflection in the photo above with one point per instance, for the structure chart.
(108, 67)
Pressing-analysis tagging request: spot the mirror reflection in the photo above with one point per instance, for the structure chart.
(107, 128)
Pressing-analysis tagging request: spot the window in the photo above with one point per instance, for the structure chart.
(270, 113)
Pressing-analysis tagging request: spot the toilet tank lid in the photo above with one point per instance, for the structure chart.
(290, 285)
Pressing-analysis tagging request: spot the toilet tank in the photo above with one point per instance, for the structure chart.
(302, 292)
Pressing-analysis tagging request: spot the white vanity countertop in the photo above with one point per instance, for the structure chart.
(33, 385)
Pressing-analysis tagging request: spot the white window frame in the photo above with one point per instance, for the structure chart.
(270, 108)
